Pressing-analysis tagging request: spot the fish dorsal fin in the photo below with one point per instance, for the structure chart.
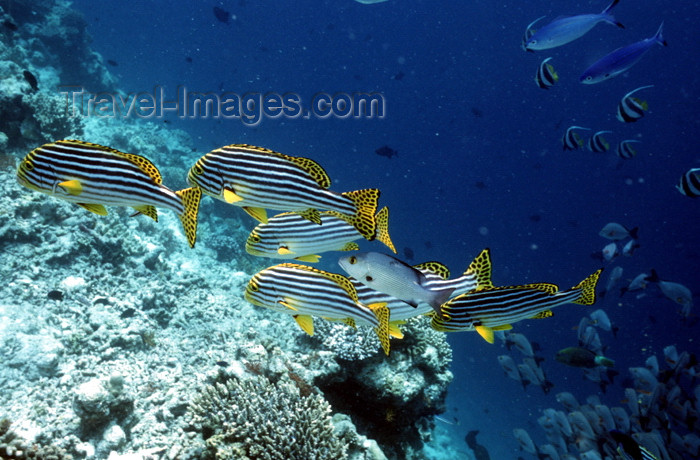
(340, 280)
(544, 287)
(382, 231)
(306, 323)
(311, 214)
(312, 168)
(543, 314)
(94, 208)
(486, 333)
(258, 214)
(351, 246)
(435, 268)
(481, 269)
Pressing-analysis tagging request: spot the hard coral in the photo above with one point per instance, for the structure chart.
(255, 418)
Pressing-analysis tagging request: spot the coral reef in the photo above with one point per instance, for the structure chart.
(255, 418)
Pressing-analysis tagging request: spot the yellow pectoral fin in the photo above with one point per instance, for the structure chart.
(72, 186)
(231, 197)
(486, 333)
(258, 214)
(284, 251)
(394, 330)
(306, 323)
(312, 258)
(95, 208)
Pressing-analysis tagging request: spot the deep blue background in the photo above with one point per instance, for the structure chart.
(466, 111)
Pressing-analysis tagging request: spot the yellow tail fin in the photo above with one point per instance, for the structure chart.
(366, 202)
(382, 220)
(381, 311)
(587, 288)
(190, 199)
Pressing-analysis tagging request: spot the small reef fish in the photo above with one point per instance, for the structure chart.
(631, 109)
(509, 367)
(488, 308)
(256, 179)
(621, 59)
(613, 278)
(629, 449)
(546, 76)
(525, 441)
(638, 283)
(690, 183)
(529, 32)
(582, 357)
(290, 236)
(94, 176)
(566, 29)
(625, 150)
(304, 292)
(598, 144)
(629, 248)
(386, 151)
(610, 251)
(674, 291)
(571, 139)
(614, 231)
(392, 276)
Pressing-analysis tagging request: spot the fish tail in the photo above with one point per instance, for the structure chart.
(603, 361)
(654, 277)
(365, 202)
(607, 12)
(659, 37)
(381, 311)
(587, 288)
(382, 219)
(190, 199)
(633, 233)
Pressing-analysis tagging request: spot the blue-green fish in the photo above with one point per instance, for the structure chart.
(290, 236)
(489, 308)
(621, 59)
(567, 29)
(582, 357)
(94, 176)
(305, 292)
(257, 179)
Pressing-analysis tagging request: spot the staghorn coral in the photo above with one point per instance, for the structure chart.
(254, 418)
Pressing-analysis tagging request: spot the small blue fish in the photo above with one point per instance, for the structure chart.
(597, 143)
(631, 109)
(546, 75)
(571, 139)
(567, 29)
(625, 151)
(621, 59)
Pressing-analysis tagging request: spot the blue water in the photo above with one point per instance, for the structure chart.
(480, 162)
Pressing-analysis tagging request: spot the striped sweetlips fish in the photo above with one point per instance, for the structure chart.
(94, 176)
(438, 279)
(689, 184)
(489, 308)
(631, 109)
(305, 292)
(290, 236)
(257, 179)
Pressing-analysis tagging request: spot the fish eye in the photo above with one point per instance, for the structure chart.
(589, 78)
(254, 239)
(369, 278)
(352, 260)
(27, 165)
(197, 170)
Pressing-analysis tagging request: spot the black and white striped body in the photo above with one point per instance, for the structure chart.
(546, 76)
(625, 150)
(598, 144)
(631, 109)
(571, 139)
(105, 176)
(690, 183)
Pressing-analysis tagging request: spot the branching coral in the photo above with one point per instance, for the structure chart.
(254, 418)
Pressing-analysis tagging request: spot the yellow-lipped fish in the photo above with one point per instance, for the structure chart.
(257, 179)
(305, 292)
(94, 176)
(490, 308)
